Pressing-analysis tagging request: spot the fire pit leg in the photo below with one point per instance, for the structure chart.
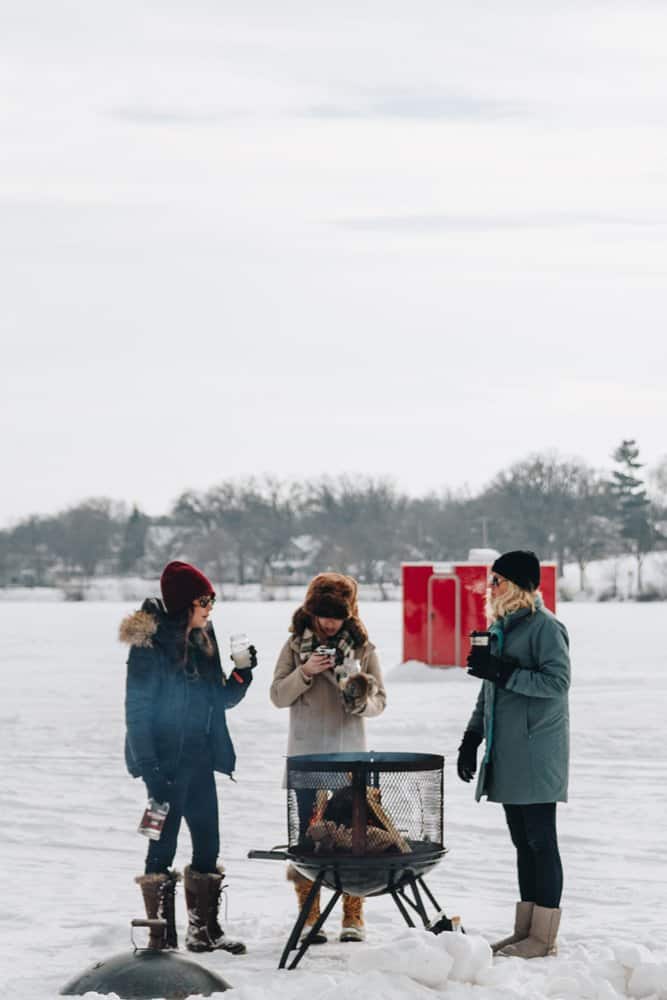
(433, 900)
(404, 913)
(440, 922)
(320, 923)
(421, 909)
(293, 939)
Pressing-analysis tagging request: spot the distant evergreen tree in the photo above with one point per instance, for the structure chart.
(633, 507)
(133, 546)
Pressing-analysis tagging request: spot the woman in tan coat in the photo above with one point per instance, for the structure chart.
(324, 718)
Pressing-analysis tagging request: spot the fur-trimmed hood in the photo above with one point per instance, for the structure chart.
(138, 629)
(151, 625)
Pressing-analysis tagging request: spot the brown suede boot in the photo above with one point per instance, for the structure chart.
(159, 891)
(353, 919)
(524, 912)
(202, 897)
(302, 887)
(541, 940)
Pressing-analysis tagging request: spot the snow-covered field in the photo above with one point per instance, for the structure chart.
(69, 814)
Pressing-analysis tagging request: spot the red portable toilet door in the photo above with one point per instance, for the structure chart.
(444, 617)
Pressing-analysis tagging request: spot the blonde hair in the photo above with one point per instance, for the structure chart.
(513, 599)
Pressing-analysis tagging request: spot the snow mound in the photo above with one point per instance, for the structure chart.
(428, 960)
(31, 594)
(462, 964)
(414, 672)
(649, 979)
(471, 955)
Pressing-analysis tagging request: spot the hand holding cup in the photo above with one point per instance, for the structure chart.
(243, 653)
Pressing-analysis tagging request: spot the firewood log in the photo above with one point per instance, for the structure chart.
(327, 836)
(385, 820)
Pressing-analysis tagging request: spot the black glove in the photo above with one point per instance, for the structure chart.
(483, 664)
(157, 785)
(466, 762)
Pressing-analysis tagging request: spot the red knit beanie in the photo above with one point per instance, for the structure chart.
(181, 584)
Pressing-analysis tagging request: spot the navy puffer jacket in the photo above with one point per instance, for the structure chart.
(158, 690)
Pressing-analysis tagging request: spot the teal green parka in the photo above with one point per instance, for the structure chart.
(526, 724)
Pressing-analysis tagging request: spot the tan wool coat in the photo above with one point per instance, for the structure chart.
(318, 722)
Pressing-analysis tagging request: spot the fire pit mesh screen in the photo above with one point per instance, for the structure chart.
(364, 803)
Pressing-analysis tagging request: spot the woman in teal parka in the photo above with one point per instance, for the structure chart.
(522, 715)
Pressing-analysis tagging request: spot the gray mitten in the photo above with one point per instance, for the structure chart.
(356, 692)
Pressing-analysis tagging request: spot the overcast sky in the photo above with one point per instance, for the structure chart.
(418, 240)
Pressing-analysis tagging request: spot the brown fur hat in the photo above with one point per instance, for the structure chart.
(331, 595)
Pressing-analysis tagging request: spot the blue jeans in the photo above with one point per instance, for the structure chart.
(194, 799)
(533, 832)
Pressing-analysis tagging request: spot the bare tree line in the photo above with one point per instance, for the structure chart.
(274, 530)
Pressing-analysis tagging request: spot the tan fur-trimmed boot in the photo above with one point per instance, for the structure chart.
(158, 891)
(353, 919)
(302, 887)
(202, 897)
(522, 917)
(541, 940)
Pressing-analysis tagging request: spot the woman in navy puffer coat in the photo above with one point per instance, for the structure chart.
(176, 698)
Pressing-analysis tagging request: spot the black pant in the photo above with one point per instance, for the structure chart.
(533, 832)
(195, 800)
(305, 801)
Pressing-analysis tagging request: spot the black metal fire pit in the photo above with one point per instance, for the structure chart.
(364, 824)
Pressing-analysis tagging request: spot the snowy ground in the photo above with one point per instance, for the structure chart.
(70, 850)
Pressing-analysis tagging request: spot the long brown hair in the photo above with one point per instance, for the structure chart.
(184, 635)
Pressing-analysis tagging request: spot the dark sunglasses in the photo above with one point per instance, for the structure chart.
(205, 602)
(494, 581)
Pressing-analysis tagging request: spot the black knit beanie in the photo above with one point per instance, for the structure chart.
(521, 567)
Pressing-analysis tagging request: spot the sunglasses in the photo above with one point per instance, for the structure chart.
(495, 582)
(205, 602)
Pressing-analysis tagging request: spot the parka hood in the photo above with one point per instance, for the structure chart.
(139, 628)
(151, 624)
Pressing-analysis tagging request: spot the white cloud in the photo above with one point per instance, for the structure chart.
(347, 237)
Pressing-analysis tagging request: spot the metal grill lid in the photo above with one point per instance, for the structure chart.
(378, 761)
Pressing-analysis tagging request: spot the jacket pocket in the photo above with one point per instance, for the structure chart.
(298, 721)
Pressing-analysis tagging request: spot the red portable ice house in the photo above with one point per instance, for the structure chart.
(444, 601)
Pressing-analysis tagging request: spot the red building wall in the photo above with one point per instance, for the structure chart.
(443, 603)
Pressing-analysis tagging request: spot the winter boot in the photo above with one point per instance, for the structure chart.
(158, 891)
(302, 887)
(202, 897)
(541, 940)
(353, 919)
(524, 912)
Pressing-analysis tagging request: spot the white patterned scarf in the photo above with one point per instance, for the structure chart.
(343, 642)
